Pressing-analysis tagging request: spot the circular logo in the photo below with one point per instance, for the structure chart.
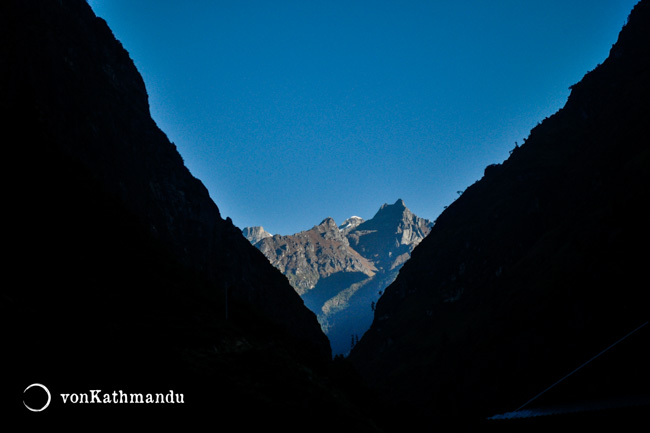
(49, 397)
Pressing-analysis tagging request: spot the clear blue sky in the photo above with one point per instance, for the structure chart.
(293, 111)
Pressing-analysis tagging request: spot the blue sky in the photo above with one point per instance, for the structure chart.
(293, 111)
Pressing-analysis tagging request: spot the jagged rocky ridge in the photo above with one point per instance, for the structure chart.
(308, 256)
(340, 272)
(535, 269)
(123, 274)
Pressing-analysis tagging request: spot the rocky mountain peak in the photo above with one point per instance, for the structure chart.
(327, 225)
(395, 215)
(389, 236)
(255, 234)
(350, 224)
(329, 230)
(398, 206)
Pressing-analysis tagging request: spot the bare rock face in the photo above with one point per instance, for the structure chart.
(389, 237)
(311, 255)
(255, 234)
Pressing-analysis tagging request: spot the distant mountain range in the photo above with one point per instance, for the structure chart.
(340, 271)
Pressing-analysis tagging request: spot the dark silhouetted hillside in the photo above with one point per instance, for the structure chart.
(122, 273)
(536, 268)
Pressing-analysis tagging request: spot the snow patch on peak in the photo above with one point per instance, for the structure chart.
(351, 223)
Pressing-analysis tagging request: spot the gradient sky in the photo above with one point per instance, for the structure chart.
(293, 111)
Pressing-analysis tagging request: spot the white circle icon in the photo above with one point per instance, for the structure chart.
(49, 397)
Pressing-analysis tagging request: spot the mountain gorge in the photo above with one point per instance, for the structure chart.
(340, 271)
(123, 274)
(535, 269)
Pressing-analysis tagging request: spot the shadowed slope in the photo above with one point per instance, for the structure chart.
(123, 273)
(535, 267)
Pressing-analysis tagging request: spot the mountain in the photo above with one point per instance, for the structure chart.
(390, 236)
(386, 240)
(122, 273)
(340, 272)
(350, 224)
(255, 234)
(535, 269)
(312, 255)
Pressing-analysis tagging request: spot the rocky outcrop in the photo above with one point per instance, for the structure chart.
(255, 234)
(535, 268)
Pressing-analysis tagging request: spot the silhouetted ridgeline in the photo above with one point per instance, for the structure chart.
(124, 275)
(537, 267)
